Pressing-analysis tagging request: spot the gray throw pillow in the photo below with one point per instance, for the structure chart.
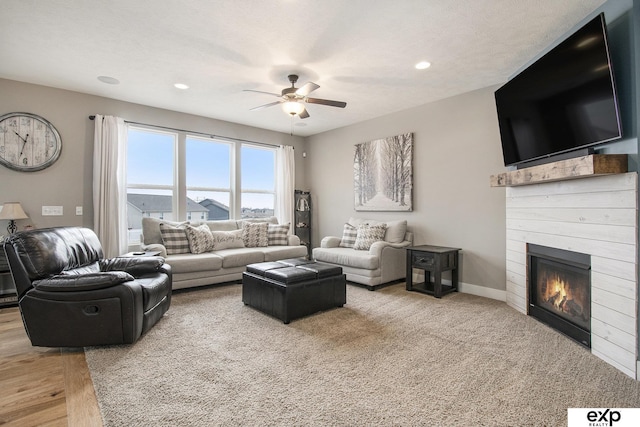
(254, 234)
(277, 235)
(368, 234)
(174, 239)
(200, 238)
(349, 235)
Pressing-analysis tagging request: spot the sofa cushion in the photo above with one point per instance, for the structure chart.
(396, 230)
(222, 225)
(268, 220)
(240, 257)
(277, 234)
(200, 238)
(188, 263)
(276, 253)
(151, 229)
(227, 239)
(368, 234)
(254, 234)
(174, 239)
(349, 234)
(347, 257)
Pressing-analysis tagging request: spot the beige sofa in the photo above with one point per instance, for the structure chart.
(382, 263)
(216, 266)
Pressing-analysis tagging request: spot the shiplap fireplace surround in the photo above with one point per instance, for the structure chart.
(596, 216)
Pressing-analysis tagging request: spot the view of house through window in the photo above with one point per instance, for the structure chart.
(209, 171)
(150, 178)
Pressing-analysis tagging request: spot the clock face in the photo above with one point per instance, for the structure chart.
(28, 142)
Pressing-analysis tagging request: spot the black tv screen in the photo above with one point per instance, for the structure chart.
(564, 101)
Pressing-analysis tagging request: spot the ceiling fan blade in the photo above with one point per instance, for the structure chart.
(328, 102)
(265, 106)
(304, 114)
(261, 91)
(307, 89)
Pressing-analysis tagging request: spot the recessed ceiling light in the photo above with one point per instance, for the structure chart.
(423, 65)
(109, 80)
(181, 86)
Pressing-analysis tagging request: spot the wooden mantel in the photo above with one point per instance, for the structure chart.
(579, 167)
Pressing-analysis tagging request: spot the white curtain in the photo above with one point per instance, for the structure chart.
(285, 185)
(109, 184)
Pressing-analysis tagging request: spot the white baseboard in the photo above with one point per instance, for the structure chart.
(482, 291)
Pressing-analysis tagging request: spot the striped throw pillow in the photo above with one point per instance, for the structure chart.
(174, 239)
(277, 235)
(349, 235)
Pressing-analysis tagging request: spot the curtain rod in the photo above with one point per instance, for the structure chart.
(228, 138)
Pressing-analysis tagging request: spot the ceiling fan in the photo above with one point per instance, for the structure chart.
(293, 99)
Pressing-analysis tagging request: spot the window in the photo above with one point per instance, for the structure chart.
(219, 180)
(208, 178)
(150, 178)
(257, 181)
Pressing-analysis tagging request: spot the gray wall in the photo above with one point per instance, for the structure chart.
(456, 149)
(68, 182)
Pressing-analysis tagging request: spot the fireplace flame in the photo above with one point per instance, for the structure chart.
(558, 294)
(557, 291)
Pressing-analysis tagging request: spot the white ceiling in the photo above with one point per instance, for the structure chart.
(362, 52)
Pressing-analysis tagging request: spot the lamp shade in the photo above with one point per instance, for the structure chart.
(12, 210)
(292, 107)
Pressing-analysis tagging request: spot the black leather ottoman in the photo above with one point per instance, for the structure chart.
(294, 288)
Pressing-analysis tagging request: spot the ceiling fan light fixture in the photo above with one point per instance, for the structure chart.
(293, 108)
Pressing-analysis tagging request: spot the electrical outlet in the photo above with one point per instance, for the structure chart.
(78, 210)
(52, 211)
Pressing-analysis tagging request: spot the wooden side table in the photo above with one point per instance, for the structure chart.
(432, 259)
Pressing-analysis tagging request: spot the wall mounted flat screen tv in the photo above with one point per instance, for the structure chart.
(564, 101)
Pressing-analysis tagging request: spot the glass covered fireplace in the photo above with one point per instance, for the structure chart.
(560, 290)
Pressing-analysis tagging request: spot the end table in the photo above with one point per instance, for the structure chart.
(140, 254)
(432, 259)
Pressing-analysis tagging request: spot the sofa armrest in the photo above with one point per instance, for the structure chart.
(330, 242)
(377, 247)
(155, 247)
(293, 240)
(84, 282)
(136, 266)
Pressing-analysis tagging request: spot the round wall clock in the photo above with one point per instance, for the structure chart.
(28, 142)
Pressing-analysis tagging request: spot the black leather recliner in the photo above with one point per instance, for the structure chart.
(70, 296)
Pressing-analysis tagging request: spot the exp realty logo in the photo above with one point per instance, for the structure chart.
(603, 417)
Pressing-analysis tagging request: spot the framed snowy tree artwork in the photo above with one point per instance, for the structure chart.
(383, 174)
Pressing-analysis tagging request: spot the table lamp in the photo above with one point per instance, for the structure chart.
(12, 211)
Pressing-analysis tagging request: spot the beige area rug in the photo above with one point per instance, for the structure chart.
(388, 357)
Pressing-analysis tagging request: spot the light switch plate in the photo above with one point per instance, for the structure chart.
(52, 211)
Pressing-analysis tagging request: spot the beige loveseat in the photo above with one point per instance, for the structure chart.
(217, 265)
(379, 261)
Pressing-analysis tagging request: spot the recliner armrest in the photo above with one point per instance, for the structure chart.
(330, 242)
(84, 282)
(136, 266)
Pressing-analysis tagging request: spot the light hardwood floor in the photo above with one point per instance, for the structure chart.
(42, 386)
